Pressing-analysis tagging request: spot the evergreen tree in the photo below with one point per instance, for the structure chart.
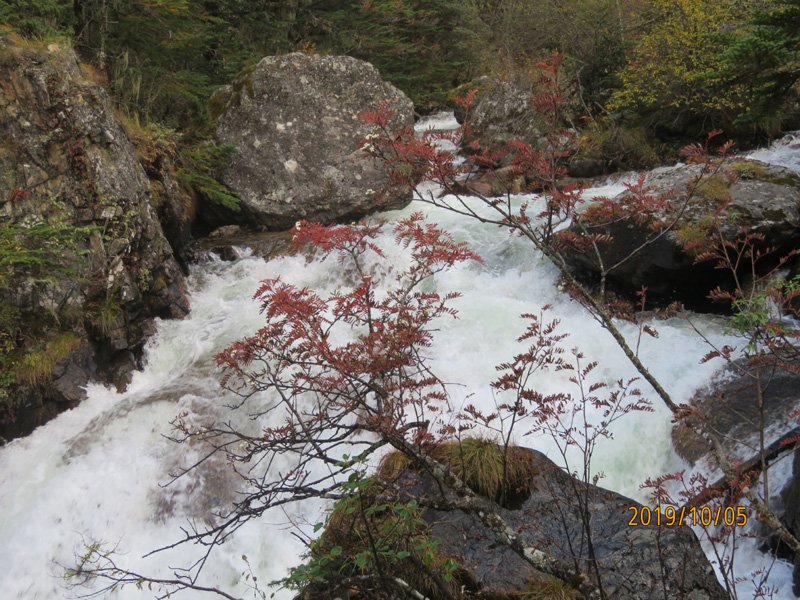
(765, 62)
(424, 47)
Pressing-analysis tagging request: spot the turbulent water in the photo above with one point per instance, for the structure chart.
(95, 472)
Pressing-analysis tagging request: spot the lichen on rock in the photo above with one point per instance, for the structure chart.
(295, 122)
(74, 196)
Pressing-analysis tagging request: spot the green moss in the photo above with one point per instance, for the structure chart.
(775, 215)
(630, 148)
(482, 86)
(105, 315)
(714, 189)
(755, 171)
(355, 524)
(232, 96)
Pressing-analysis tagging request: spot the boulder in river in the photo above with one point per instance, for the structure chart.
(764, 199)
(503, 112)
(295, 122)
(728, 408)
(633, 561)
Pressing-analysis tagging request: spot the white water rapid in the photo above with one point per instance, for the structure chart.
(95, 471)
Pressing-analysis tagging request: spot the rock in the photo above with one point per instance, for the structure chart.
(73, 373)
(503, 113)
(226, 231)
(66, 163)
(628, 556)
(495, 182)
(480, 86)
(791, 514)
(236, 245)
(295, 121)
(585, 167)
(765, 199)
(729, 408)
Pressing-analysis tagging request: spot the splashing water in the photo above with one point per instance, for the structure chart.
(95, 471)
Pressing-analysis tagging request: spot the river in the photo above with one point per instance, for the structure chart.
(96, 472)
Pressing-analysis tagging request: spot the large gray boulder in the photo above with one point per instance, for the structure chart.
(764, 199)
(634, 561)
(503, 112)
(295, 122)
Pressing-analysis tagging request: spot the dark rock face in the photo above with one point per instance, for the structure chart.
(66, 162)
(295, 122)
(765, 199)
(729, 408)
(791, 516)
(627, 556)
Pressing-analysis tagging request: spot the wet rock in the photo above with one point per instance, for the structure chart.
(791, 513)
(72, 374)
(265, 244)
(586, 167)
(634, 562)
(495, 182)
(728, 407)
(67, 164)
(764, 199)
(227, 231)
(295, 122)
(120, 370)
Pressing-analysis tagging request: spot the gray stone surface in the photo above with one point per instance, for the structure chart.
(65, 161)
(295, 122)
(728, 407)
(634, 561)
(765, 199)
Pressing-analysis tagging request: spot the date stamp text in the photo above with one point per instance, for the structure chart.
(670, 516)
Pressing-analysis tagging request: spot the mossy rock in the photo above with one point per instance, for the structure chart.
(358, 527)
(480, 85)
(231, 95)
(757, 171)
(481, 464)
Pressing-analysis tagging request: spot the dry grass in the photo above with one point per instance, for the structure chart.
(479, 463)
(36, 366)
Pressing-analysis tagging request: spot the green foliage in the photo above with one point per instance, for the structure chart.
(38, 18)
(764, 62)
(670, 79)
(10, 330)
(36, 367)
(714, 189)
(424, 47)
(592, 35)
(34, 257)
(105, 313)
(622, 146)
(200, 164)
(361, 536)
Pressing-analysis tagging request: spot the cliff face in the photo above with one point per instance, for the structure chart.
(84, 263)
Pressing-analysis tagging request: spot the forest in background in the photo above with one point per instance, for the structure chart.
(641, 78)
(668, 70)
